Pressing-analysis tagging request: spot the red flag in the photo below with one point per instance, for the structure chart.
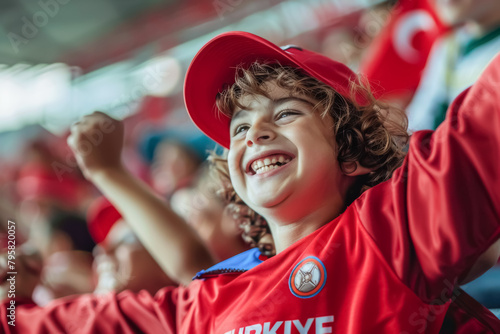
(396, 58)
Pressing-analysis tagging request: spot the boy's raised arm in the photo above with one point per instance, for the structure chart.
(97, 141)
(437, 222)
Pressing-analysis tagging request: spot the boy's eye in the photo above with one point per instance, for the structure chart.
(286, 113)
(240, 129)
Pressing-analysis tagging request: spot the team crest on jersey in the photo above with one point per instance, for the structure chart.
(308, 277)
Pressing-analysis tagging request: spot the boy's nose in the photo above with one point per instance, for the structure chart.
(259, 134)
(258, 140)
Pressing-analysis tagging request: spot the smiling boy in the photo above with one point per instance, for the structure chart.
(305, 138)
(291, 195)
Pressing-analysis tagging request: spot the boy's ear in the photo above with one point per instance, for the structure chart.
(355, 169)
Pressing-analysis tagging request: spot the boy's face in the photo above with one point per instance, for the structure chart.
(284, 131)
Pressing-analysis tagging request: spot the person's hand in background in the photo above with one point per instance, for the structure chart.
(97, 141)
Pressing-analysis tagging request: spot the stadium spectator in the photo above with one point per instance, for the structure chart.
(457, 59)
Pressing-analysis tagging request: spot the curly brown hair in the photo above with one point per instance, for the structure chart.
(373, 133)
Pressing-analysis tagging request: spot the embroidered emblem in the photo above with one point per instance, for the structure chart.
(307, 278)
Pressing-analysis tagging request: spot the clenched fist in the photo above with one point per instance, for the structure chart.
(97, 141)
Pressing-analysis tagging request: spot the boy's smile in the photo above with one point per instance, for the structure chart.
(267, 162)
(282, 158)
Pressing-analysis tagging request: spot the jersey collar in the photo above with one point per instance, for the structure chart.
(236, 264)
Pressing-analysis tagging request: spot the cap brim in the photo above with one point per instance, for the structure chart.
(214, 67)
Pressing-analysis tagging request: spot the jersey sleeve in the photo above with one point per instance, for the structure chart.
(125, 312)
(441, 209)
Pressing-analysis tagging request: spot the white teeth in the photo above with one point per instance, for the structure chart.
(264, 165)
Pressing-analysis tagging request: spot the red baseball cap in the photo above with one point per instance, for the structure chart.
(215, 64)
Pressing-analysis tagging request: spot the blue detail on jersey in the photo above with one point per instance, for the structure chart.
(236, 264)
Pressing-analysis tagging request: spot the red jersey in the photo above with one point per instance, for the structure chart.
(388, 264)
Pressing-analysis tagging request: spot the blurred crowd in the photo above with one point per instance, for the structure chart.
(84, 244)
